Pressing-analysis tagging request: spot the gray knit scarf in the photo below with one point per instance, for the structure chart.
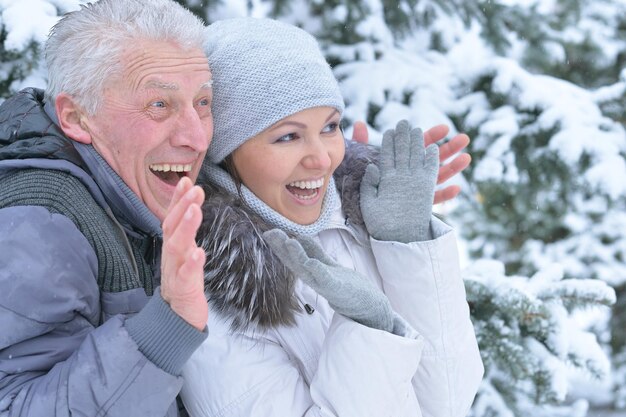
(218, 176)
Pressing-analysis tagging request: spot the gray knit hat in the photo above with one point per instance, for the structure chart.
(263, 71)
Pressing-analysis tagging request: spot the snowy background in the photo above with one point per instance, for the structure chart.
(540, 87)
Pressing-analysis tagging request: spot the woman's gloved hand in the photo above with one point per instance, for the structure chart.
(397, 198)
(348, 292)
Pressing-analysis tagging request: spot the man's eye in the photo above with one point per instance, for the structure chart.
(158, 104)
(287, 138)
(204, 102)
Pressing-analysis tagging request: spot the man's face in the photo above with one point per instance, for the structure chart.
(155, 124)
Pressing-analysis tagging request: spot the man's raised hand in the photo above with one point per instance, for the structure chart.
(182, 261)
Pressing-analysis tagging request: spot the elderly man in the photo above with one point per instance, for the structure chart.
(91, 172)
(101, 281)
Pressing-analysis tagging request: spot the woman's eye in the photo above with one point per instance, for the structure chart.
(287, 138)
(330, 128)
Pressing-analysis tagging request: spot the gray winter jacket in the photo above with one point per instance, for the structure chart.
(83, 328)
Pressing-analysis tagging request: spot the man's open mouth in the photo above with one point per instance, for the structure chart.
(306, 190)
(170, 173)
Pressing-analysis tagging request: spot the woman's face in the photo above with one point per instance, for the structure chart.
(289, 164)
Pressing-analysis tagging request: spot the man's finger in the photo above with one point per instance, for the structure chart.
(184, 184)
(435, 134)
(184, 236)
(455, 145)
(193, 195)
(181, 244)
(191, 270)
(359, 132)
(446, 194)
(452, 168)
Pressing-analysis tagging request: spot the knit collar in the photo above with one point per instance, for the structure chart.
(217, 175)
(125, 204)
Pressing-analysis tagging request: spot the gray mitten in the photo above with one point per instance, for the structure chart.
(348, 292)
(397, 198)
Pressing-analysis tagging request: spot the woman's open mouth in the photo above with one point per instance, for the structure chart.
(306, 190)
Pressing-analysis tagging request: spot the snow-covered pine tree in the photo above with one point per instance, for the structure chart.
(547, 168)
(549, 158)
(201, 8)
(564, 39)
(24, 26)
(15, 65)
(529, 339)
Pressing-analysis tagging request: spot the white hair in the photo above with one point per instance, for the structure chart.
(85, 47)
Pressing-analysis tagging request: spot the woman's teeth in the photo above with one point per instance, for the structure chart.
(307, 184)
(306, 190)
(311, 196)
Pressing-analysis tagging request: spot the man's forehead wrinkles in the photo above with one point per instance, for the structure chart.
(138, 59)
(165, 60)
(139, 72)
(151, 66)
(157, 70)
(155, 84)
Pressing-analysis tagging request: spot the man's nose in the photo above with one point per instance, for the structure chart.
(192, 130)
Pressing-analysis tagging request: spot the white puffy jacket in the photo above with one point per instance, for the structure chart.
(328, 365)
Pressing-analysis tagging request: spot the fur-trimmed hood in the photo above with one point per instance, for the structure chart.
(244, 281)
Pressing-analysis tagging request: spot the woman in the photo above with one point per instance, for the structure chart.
(299, 325)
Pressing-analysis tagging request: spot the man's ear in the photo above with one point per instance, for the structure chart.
(70, 116)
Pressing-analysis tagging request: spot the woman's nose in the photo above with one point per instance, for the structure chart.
(317, 156)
